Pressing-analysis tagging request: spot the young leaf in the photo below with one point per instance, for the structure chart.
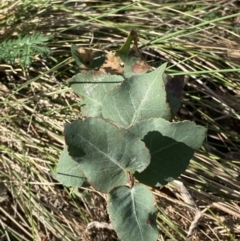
(85, 57)
(171, 147)
(134, 65)
(76, 56)
(69, 172)
(132, 213)
(109, 153)
(124, 50)
(134, 62)
(92, 89)
(138, 98)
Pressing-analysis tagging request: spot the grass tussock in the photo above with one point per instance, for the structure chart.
(199, 39)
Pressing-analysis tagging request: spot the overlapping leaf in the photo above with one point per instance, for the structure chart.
(174, 87)
(92, 88)
(171, 146)
(105, 152)
(132, 213)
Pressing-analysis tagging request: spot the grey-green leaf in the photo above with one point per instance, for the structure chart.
(105, 152)
(171, 146)
(132, 213)
(69, 172)
(138, 98)
(91, 87)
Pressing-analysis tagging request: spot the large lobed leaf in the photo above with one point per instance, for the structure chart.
(138, 98)
(132, 213)
(106, 153)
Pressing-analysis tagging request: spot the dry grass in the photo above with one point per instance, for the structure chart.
(199, 39)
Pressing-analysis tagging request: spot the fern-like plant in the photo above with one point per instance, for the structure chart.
(23, 49)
